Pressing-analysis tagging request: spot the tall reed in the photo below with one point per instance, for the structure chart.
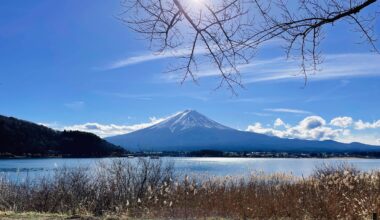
(151, 188)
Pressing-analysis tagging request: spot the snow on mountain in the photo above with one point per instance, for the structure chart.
(186, 120)
(190, 130)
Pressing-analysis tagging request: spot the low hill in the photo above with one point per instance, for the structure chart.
(23, 138)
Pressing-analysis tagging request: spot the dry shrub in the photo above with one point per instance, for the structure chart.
(150, 188)
(117, 187)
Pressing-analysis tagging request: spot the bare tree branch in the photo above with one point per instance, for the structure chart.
(302, 30)
(228, 33)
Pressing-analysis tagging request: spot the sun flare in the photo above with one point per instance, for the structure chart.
(197, 5)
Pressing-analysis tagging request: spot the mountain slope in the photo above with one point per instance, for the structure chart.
(18, 137)
(188, 119)
(190, 130)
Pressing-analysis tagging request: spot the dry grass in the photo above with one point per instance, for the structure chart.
(31, 215)
(150, 189)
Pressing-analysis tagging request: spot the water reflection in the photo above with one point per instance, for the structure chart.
(195, 166)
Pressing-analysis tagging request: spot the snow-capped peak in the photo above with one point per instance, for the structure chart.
(188, 119)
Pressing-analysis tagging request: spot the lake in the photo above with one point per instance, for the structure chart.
(19, 168)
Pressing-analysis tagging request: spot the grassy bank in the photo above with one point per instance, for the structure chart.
(31, 215)
(151, 189)
(54, 216)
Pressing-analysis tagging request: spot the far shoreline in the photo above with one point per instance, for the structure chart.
(158, 156)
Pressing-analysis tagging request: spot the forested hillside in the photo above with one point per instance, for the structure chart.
(23, 138)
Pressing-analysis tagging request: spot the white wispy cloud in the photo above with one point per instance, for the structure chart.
(372, 139)
(106, 130)
(345, 122)
(342, 122)
(261, 114)
(334, 66)
(279, 68)
(316, 128)
(279, 122)
(361, 125)
(146, 57)
(179, 52)
(288, 110)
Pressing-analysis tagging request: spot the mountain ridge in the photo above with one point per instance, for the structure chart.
(191, 131)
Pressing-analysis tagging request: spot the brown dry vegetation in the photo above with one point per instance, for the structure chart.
(150, 189)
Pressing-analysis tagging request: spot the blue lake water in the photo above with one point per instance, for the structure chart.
(192, 166)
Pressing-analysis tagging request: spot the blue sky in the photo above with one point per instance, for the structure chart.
(70, 63)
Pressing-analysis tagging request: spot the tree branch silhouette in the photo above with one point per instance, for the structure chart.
(228, 33)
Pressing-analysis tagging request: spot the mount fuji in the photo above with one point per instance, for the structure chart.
(190, 131)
